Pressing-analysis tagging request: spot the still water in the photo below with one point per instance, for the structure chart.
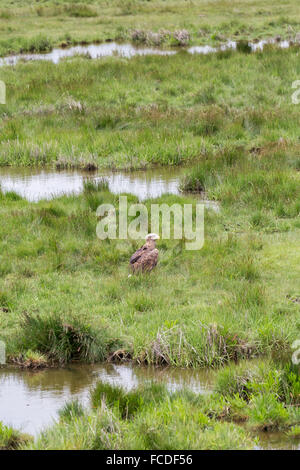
(96, 51)
(35, 185)
(29, 400)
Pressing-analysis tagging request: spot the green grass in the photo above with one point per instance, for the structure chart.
(265, 395)
(107, 427)
(127, 404)
(157, 21)
(71, 410)
(65, 295)
(230, 300)
(53, 264)
(62, 341)
(221, 110)
(10, 439)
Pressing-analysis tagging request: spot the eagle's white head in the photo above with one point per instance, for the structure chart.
(152, 236)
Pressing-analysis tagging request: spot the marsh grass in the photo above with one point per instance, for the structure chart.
(294, 432)
(61, 341)
(11, 439)
(230, 116)
(71, 410)
(100, 20)
(31, 360)
(146, 428)
(82, 305)
(271, 393)
(80, 10)
(92, 186)
(261, 377)
(126, 403)
(143, 417)
(267, 413)
(153, 116)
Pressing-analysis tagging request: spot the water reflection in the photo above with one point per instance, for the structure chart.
(30, 400)
(95, 51)
(35, 185)
(44, 184)
(255, 46)
(277, 440)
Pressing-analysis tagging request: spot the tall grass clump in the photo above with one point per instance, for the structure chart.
(200, 178)
(80, 10)
(9, 196)
(71, 410)
(40, 43)
(98, 430)
(290, 385)
(127, 403)
(11, 439)
(267, 413)
(271, 393)
(238, 379)
(93, 192)
(63, 342)
(243, 46)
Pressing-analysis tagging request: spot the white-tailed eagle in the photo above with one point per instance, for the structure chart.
(145, 259)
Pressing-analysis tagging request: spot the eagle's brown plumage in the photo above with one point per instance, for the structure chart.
(145, 259)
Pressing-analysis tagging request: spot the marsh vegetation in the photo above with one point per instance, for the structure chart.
(247, 399)
(66, 296)
(155, 22)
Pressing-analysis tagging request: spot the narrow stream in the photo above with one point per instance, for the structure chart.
(95, 51)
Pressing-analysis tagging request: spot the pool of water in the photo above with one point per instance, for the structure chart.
(277, 440)
(29, 400)
(95, 51)
(35, 185)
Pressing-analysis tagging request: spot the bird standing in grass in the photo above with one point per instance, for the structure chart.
(145, 259)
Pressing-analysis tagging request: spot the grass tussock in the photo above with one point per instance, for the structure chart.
(31, 360)
(10, 439)
(80, 10)
(71, 410)
(61, 341)
(127, 404)
(269, 395)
